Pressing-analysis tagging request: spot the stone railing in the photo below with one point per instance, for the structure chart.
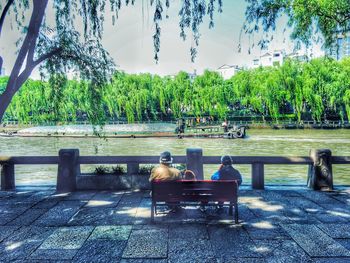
(69, 162)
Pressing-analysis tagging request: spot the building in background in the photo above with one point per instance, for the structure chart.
(341, 46)
(227, 71)
(270, 59)
(297, 55)
(277, 58)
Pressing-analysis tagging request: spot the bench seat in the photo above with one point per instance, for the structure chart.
(194, 193)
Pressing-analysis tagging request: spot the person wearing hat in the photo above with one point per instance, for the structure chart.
(226, 171)
(164, 172)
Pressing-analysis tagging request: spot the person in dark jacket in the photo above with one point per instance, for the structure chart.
(226, 171)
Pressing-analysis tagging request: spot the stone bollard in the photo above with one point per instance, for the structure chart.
(258, 176)
(195, 162)
(68, 170)
(320, 176)
(7, 176)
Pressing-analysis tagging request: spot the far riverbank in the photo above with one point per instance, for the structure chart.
(169, 131)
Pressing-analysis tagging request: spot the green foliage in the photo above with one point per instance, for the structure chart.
(146, 169)
(311, 91)
(101, 170)
(306, 17)
(115, 170)
(118, 170)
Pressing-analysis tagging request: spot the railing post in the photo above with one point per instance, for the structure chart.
(7, 176)
(132, 168)
(320, 175)
(68, 170)
(258, 176)
(194, 161)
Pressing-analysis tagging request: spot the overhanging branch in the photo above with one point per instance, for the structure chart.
(47, 56)
(4, 13)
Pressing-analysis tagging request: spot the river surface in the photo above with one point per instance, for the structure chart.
(259, 142)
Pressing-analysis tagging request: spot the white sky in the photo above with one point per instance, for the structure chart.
(130, 41)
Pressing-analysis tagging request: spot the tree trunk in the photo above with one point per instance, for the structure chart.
(26, 52)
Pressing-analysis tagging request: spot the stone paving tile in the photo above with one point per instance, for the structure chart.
(67, 238)
(240, 260)
(334, 260)
(103, 216)
(27, 218)
(6, 194)
(231, 241)
(60, 214)
(304, 204)
(13, 208)
(245, 214)
(53, 254)
(46, 203)
(287, 252)
(260, 229)
(190, 250)
(298, 216)
(120, 233)
(315, 242)
(80, 196)
(6, 218)
(6, 231)
(100, 250)
(319, 197)
(342, 197)
(23, 242)
(336, 230)
(265, 247)
(131, 260)
(131, 199)
(143, 213)
(330, 216)
(40, 261)
(104, 199)
(188, 231)
(108, 196)
(147, 244)
(345, 242)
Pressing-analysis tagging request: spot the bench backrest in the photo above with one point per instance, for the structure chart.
(202, 190)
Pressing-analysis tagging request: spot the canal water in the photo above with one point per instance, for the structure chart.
(263, 142)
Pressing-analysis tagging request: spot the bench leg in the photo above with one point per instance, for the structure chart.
(152, 212)
(236, 213)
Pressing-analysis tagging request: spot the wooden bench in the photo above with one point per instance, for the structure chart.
(194, 193)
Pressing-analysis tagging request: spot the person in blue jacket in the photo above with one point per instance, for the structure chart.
(226, 171)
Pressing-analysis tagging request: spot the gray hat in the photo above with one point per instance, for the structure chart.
(226, 160)
(165, 157)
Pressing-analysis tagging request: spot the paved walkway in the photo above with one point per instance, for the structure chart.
(276, 226)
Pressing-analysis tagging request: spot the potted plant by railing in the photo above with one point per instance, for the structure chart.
(114, 178)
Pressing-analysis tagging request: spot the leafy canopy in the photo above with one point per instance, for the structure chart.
(306, 17)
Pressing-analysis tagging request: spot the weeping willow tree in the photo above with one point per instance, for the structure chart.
(61, 46)
(316, 90)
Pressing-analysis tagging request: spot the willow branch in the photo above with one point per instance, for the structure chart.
(4, 13)
(47, 56)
